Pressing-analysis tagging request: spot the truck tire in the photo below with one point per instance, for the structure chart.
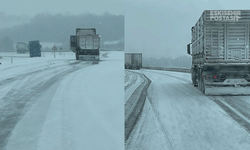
(77, 55)
(202, 82)
(203, 86)
(199, 80)
(194, 77)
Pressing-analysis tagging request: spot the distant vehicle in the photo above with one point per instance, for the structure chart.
(220, 52)
(85, 43)
(22, 47)
(35, 48)
(133, 60)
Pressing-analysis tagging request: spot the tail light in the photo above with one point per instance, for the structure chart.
(211, 77)
(208, 76)
(245, 76)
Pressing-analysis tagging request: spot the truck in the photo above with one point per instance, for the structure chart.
(35, 48)
(133, 61)
(220, 52)
(85, 44)
(22, 47)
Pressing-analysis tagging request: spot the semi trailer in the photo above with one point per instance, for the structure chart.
(133, 60)
(85, 44)
(22, 47)
(35, 48)
(220, 52)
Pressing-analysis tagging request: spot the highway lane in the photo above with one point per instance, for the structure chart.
(176, 115)
(62, 103)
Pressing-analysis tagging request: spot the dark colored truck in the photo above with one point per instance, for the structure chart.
(22, 47)
(133, 60)
(35, 48)
(85, 44)
(220, 52)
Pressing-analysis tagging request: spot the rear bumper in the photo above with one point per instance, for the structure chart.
(133, 67)
(229, 82)
(211, 90)
(221, 84)
(227, 63)
(89, 52)
(89, 57)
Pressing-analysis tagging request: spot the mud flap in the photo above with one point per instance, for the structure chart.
(240, 90)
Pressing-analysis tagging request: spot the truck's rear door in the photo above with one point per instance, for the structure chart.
(237, 41)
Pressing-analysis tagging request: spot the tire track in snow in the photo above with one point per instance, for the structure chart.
(17, 102)
(240, 105)
(132, 80)
(142, 135)
(213, 141)
(66, 126)
(127, 76)
(160, 124)
(17, 66)
(5, 82)
(240, 112)
(241, 116)
(183, 79)
(134, 106)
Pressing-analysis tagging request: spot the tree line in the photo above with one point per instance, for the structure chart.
(181, 61)
(58, 28)
(6, 44)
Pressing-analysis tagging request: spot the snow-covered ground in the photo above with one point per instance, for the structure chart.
(178, 116)
(61, 103)
(132, 81)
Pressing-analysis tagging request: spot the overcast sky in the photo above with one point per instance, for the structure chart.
(162, 28)
(158, 28)
(33, 7)
(15, 12)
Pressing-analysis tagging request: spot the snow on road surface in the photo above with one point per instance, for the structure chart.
(134, 105)
(132, 81)
(177, 116)
(62, 103)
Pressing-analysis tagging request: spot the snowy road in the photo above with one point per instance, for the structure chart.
(61, 103)
(177, 116)
(135, 103)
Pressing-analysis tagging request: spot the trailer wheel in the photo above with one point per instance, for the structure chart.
(203, 86)
(194, 77)
(199, 80)
(202, 82)
(77, 56)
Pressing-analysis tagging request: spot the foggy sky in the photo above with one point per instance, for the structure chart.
(33, 7)
(162, 28)
(16, 12)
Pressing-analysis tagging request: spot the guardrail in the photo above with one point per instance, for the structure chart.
(169, 69)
